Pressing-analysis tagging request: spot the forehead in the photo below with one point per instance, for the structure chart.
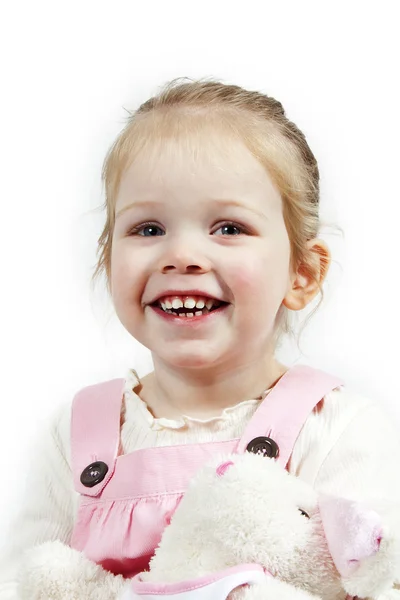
(206, 161)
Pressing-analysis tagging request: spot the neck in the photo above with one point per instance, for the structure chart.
(170, 392)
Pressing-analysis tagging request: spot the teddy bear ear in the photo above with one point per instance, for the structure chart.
(353, 532)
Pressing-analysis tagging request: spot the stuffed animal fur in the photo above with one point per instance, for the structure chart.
(246, 509)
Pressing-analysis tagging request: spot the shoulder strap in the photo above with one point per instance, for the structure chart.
(286, 408)
(95, 430)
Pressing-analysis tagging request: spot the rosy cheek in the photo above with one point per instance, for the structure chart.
(251, 275)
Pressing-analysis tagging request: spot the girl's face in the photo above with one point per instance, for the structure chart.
(201, 228)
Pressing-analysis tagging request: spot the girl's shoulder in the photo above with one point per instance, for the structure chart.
(344, 425)
(57, 430)
(339, 407)
(344, 410)
(356, 418)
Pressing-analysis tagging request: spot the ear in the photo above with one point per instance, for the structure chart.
(353, 532)
(309, 277)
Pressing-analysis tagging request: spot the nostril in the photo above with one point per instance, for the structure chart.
(183, 268)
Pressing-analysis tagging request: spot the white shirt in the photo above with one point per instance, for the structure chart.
(347, 447)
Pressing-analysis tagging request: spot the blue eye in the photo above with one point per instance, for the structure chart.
(147, 230)
(230, 229)
(151, 230)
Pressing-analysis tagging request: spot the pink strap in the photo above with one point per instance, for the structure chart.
(95, 430)
(284, 411)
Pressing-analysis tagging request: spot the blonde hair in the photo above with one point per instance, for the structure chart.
(256, 119)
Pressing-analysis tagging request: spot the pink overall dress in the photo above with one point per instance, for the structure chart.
(128, 500)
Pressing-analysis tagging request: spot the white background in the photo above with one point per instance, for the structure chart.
(67, 71)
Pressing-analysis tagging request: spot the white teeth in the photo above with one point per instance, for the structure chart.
(172, 304)
(190, 303)
(177, 303)
(198, 313)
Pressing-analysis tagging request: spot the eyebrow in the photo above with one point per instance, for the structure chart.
(139, 204)
(220, 202)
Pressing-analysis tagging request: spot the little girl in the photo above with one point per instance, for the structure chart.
(210, 242)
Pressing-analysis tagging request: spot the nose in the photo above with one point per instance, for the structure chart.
(184, 256)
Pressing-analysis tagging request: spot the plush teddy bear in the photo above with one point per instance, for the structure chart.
(243, 520)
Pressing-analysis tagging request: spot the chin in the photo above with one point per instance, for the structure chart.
(188, 361)
(190, 358)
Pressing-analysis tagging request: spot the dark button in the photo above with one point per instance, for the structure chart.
(94, 474)
(264, 446)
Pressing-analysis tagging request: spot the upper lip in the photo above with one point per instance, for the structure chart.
(191, 293)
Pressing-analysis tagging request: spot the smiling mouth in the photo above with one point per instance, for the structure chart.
(188, 307)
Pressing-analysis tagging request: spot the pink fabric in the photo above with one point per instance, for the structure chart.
(121, 529)
(222, 469)
(95, 437)
(288, 407)
(353, 532)
(234, 576)
(121, 520)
